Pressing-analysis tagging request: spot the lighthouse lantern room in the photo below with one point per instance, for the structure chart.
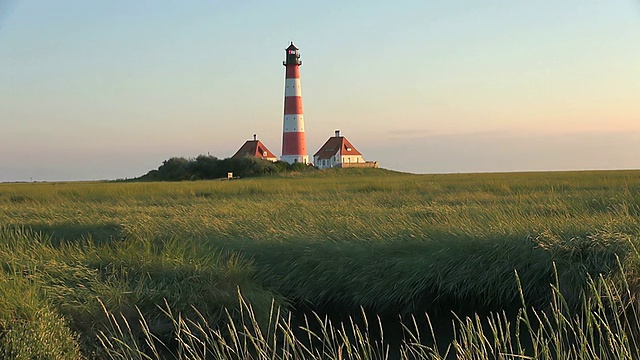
(293, 56)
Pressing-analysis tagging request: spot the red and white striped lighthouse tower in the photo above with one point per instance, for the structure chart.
(294, 144)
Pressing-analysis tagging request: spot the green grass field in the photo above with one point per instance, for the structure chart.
(80, 259)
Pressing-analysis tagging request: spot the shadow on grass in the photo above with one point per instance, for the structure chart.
(72, 233)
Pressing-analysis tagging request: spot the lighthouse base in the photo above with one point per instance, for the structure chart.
(295, 158)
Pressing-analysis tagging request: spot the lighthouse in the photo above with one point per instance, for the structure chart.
(294, 143)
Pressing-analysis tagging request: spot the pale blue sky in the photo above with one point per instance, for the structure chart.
(109, 89)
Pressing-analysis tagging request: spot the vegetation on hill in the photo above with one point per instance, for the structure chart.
(80, 261)
(207, 167)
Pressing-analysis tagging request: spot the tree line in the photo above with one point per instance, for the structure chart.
(210, 167)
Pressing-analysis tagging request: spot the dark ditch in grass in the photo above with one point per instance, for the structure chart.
(436, 329)
(390, 329)
(446, 280)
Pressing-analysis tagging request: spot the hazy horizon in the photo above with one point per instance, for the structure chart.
(107, 90)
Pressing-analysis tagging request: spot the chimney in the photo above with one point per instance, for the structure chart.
(337, 133)
(255, 137)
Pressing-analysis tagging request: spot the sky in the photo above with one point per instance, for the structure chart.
(108, 89)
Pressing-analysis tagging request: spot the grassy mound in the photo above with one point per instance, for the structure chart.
(346, 172)
(55, 294)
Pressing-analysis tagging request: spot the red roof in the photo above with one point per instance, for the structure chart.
(254, 148)
(331, 147)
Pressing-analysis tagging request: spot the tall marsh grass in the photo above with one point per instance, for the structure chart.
(389, 244)
(605, 327)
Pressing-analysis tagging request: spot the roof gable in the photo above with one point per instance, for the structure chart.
(254, 148)
(333, 145)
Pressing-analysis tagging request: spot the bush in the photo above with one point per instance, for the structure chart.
(203, 167)
(299, 167)
(207, 167)
(174, 169)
